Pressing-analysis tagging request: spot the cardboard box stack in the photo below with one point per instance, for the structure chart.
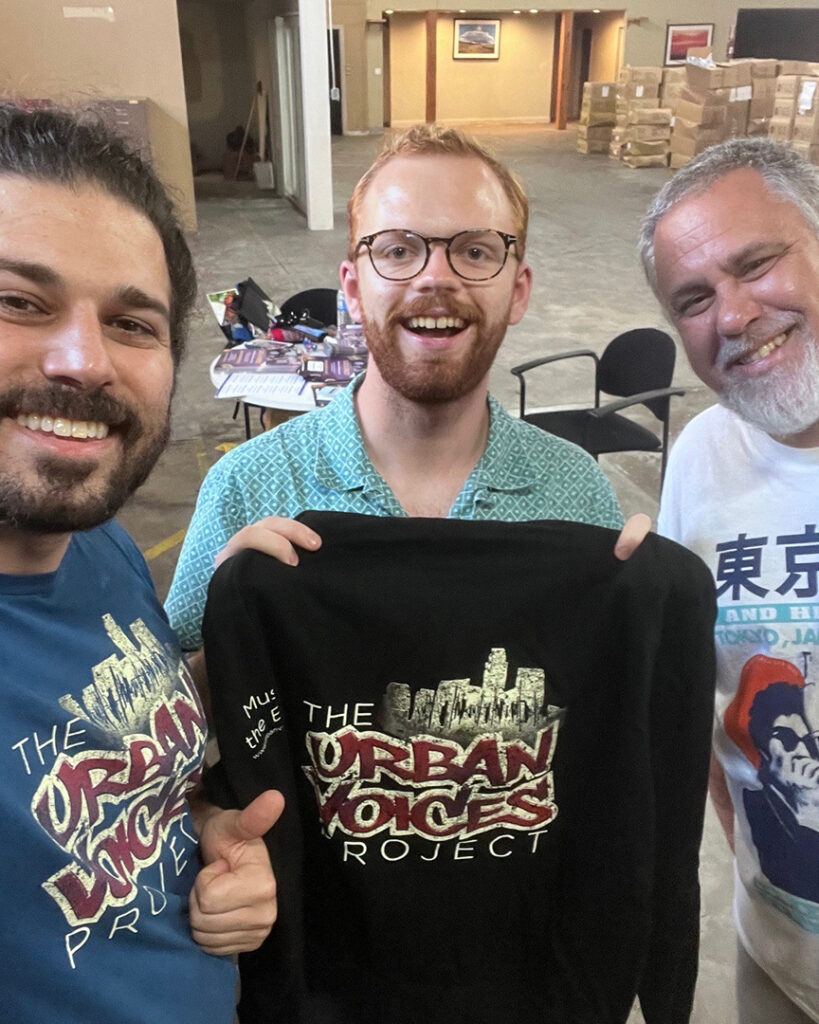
(643, 128)
(597, 116)
(672, 86)
(805, 138)
(736, 83)
(763, 90)
(701, 114)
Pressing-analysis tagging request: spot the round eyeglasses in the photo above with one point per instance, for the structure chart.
(475, 255)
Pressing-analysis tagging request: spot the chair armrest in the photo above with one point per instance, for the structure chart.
(643, 396)
(519, 371)
(525, 367)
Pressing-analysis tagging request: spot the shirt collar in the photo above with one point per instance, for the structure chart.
(342, 463)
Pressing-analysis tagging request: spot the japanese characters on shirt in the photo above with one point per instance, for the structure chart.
(109, 784)
(768, 589)
(433, 772)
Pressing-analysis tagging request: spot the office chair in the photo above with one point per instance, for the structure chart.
(636, 366)
(317, 303)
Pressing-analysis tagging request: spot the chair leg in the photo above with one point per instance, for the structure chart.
(247, 420)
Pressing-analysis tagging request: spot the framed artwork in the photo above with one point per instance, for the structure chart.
(476, 40)
(680, 38)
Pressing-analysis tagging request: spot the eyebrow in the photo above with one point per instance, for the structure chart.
(128, 295)
(733, 263)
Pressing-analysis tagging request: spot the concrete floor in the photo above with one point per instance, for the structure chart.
(585, 212)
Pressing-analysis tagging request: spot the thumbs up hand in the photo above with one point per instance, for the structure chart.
(233, 901)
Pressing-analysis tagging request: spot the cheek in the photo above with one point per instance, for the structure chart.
(147, 381)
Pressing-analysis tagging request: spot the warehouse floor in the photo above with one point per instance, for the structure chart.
(588, 288)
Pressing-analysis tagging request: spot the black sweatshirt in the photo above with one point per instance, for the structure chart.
(493, 742)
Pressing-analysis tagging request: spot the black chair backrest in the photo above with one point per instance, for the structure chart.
(317, 303)
(638, 360)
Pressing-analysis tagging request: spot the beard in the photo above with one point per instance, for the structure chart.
(785, 401)
(65, 497)
(436, 377)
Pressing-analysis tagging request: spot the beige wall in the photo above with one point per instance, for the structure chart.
(516, 87)
(349, 17)
(43, 54)
(408, 57)
(606, 29)
(219, 78)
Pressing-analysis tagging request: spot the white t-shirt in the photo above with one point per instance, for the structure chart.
(749, 507)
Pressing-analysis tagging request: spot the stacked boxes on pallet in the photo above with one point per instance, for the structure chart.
(643, 127)
(701, 114)
(763, 90)
(805, 139)
(672, 86)
(597, 115)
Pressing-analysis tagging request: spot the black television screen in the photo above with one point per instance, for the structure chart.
(776, 32)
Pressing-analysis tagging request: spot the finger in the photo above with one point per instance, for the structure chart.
(247, 887)
(239, 920)
(274, 536)
(227, 945)
(259, 816)
(632, 535)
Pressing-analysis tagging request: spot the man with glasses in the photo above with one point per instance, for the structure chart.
(436, 273)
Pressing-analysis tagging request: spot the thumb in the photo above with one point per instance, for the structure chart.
(258, 817)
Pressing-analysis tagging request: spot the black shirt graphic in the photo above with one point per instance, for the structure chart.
(493, 742)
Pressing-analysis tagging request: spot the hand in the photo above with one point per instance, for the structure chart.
(632, 536)
(233, 901)
(272, 536)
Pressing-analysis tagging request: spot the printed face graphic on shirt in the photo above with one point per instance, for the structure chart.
(111, 809)
(454, 762)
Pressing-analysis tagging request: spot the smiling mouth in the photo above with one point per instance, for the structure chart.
(765, 350)
(435, 326)
(61, 426)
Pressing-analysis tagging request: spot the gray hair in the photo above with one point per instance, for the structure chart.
(784, 172)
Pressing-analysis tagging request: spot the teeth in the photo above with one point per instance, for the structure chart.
(432, 323)
(765, 350)
(62, 427)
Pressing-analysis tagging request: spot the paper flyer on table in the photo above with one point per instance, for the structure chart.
(261, 388)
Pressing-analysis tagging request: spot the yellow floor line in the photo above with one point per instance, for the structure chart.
(164, 545)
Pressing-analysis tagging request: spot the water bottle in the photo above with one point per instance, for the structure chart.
(343, 318)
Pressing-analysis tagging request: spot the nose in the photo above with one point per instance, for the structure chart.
(736, 308)
(77, 351)
(437, 273)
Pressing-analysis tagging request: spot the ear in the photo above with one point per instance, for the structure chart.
(520, 293)
(349, 284)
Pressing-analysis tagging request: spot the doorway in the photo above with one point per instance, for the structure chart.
(334, 66)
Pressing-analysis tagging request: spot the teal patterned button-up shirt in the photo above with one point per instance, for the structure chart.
(318, 461)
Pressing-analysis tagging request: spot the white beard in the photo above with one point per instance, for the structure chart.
(785, 401)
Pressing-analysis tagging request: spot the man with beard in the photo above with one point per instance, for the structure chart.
(731, 248)
(435, 272)
(101, 731)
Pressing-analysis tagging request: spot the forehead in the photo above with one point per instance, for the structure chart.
(738, 211)
(88, 237)
(435, 194)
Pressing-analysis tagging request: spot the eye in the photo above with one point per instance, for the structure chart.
(758, 267)
(693, 305)
(19, 305)
(475, 253)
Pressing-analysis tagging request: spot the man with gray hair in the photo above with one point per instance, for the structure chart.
(731, 248)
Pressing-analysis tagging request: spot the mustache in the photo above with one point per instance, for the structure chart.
(756, 335)
(60, 400)
(438, 305)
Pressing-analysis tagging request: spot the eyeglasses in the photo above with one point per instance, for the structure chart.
(475, 255)
(790, 740)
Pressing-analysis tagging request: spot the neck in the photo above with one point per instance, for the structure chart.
(29, 554)
(424, 452)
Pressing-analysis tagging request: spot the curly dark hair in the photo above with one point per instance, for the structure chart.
(75, 147)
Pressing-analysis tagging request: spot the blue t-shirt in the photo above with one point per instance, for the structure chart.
(101, 735)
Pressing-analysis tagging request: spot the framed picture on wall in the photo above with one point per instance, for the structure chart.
(476, 40)
(680, 38)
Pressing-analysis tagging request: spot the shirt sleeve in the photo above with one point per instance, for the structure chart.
(219, 514)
